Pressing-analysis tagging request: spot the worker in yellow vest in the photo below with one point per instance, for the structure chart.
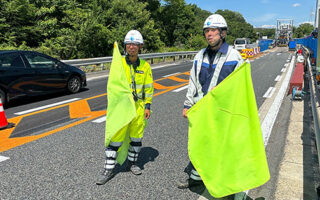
(139, 76)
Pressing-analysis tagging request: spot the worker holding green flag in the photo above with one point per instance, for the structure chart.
(225, 141)
(130, 90)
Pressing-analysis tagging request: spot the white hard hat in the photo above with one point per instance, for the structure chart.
(215, 21)
(133, 36)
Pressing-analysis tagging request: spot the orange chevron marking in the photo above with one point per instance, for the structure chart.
(159, 87)
(7, 143)
(177, 79)
(78, 109)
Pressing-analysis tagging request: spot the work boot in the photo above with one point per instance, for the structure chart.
(135, 169)
(188, 183)
(105, 176)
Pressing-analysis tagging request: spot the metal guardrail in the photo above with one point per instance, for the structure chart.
(315, 105)
(314, 97)
(151, 56)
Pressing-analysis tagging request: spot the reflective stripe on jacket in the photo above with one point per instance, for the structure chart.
(222, 63)
(143, 79)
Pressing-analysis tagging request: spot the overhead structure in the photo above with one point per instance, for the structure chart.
(284, 31)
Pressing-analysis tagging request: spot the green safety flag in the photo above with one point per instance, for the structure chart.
(121, 107)
(225, 139)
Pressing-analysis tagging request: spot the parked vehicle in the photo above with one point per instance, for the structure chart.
(241, 43)
(29, 73)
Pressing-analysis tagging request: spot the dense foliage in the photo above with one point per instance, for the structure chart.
(69, 29)
(269, 32)
(303, 30)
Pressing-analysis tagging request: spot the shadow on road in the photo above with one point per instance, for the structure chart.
(147, 154)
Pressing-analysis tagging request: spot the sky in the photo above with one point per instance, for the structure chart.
(264, 13)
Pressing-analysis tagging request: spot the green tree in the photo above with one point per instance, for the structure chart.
(237, 26)
(269, 32)
(70, 29)
(303, 30)
(17, 19)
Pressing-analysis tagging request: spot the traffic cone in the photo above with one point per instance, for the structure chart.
(3, 119)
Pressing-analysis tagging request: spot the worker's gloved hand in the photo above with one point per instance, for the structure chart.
(146, 114)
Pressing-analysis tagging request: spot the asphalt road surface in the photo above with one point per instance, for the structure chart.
(57, 152)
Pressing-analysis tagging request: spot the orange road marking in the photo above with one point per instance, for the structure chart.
(78, 109)
(178, 79)
(159, 86)
(7, 143)
(187, 73)
(170, 89)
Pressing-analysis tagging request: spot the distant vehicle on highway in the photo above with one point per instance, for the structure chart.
(29, 73)
(241, 43)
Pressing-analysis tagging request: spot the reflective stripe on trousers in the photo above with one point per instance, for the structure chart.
(111, 155)
(194, 175)
(134, 149)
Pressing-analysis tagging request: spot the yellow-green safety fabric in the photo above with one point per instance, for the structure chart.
(225, 142)
(121, 109)
(134, 129)
(143, 78)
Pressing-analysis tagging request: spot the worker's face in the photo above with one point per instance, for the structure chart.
(132, 49)
(213, 35)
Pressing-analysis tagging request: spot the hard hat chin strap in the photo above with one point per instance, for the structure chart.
(219, 41)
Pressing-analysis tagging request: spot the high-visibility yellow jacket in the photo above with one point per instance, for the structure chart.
(143, 79)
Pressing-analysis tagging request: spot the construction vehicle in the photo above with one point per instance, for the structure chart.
(284, 32)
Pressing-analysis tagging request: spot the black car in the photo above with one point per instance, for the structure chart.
(29, 73)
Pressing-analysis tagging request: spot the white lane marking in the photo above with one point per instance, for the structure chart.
(100, 120)
(269, 92)
(2, 158)
(278, 54)
(97, 77)
(272, 114)
(47, 106)
(283, 69)
(161, 66)
(171, 74)
(268, 122)
(278, 78)
(105, 76)
(180, 89)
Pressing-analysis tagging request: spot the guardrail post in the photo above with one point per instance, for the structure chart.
(174, 58)
(163, 59)
(151, 60)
